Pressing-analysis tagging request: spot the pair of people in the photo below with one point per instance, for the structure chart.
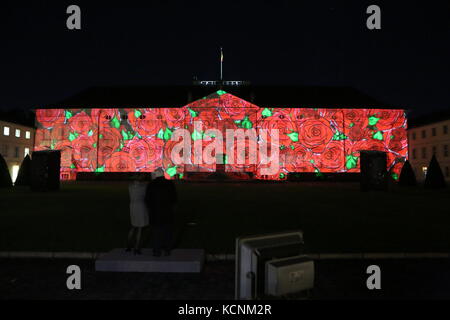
(152, 203)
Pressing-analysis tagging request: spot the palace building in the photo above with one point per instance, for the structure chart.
(321, 129)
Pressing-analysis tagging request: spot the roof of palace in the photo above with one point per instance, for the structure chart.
(179, 96)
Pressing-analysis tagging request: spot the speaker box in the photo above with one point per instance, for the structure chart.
(373, 170)
(45, 169)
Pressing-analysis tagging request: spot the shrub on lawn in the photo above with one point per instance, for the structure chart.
(435, 178)
(24, 175)
(5, 177)
(407, 176)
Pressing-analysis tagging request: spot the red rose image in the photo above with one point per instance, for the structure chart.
(305, 114)
(152, 113)
(281, 114)
(287, 130)
(315, 134)
(336, 116)
(207, 118)
(396, 169)
(235, 113)
(210, 114)
(296, 159)
(399, 134)
(387, 119)
(42, 139)
(396, 146)
(66, 155)
(109, 141)
(103, 115)
(391, 157)
(366, 145)
(60, 131)
(243, 156)
(355, 115)
(139, 151)
(225, 124)
(204, 103)
(143, 122)
(332, 159)
(49, 117)
(84, 153)
(171, 170)
(155, 152)
(81, 123)
(235, 108)
(397, 141)
(358, 131)
(167, 158)
(120, 162)
(201, 163)
(174, 117)
(147, 153)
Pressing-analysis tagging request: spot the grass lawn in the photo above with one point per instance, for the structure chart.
(335, 217)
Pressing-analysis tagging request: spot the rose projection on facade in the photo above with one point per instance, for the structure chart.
(318, 140)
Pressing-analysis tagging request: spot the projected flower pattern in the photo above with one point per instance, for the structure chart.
(139, 139)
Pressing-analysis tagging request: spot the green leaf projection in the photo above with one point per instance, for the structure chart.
(139, 139)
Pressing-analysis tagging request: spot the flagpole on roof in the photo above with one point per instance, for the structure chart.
(221, 64)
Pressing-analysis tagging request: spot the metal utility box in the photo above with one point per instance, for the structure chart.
(252, 253)
(289, 275)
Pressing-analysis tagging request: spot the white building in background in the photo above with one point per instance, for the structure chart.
(16, 141)
(427, 136)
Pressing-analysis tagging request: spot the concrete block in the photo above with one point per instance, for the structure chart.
(180, 260)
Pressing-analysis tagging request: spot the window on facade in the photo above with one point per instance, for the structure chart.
(5, 150)
(424, 153)
(16, 152)
(414, 153)
(18, 133)
(445, 129)
(445, 150)
(424, 134)
(27, 135)
(433, 132)
(434, 150)
(414, 136)
(27, 152)
(6, 131)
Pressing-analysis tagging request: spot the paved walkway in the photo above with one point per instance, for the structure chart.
(335, 279)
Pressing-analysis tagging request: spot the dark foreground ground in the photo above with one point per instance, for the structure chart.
(335, 279)
(335, 217)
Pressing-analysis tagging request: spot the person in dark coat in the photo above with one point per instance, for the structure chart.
(161, 199)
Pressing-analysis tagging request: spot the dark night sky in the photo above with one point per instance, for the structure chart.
(405, 64)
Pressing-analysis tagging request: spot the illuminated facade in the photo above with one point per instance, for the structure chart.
(16, 141)
(426, 140)
(315, 140)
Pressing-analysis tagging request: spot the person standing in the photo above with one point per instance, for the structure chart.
(161, 200)
(138, 212)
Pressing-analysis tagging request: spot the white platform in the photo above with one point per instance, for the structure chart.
(180, 260)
